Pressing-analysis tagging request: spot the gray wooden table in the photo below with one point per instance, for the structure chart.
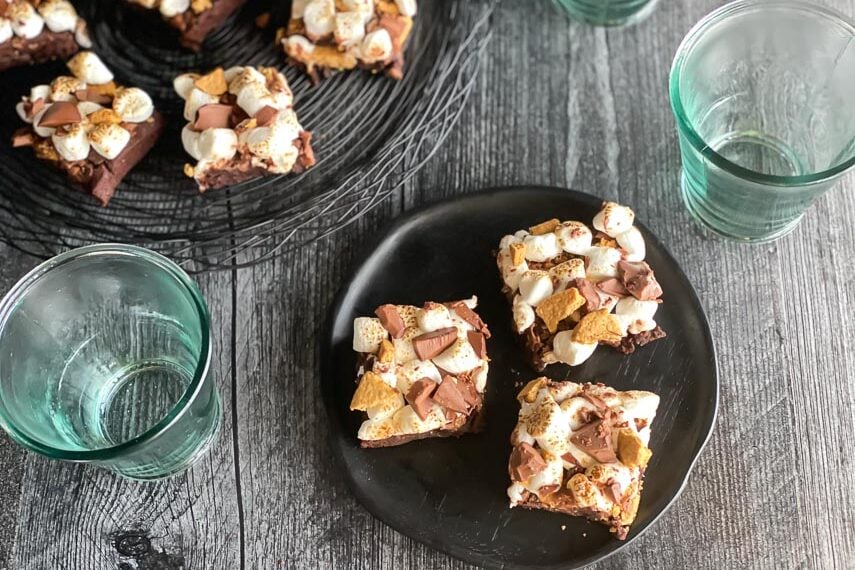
(559, 104)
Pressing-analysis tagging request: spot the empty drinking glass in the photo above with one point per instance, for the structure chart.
(104, 354)
(762, 91)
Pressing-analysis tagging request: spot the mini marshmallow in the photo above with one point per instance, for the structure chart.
(541, 248)
(435, 317)
(86, 108)
(190, 140)
(574, 237)
(254, 97)
(552, 435)
(22, 113)
(471, 302)
(404, 351)
(367, 334)
(613, 219)
(511, 273)
(64, 88)
(523, 314)
(283, 99)
(552, 475)
(406, 420)
(298, 46)
(263, 142)
(565, 274)
(6, 32)
(535, 286)
(515, 493)
(231, 72)
(480, 378)
(25, 21)
(563, 391)
(601, 263)
(506, 242)
(185, 83)
(632, 244)
(409, 315)
(406, 7)
(459, 357)
(59, 15)
(40, 92)
(217, 144)
(377, 46)
(247, 76)
(365, 8)
(411, 372)
(577, 411)
(133, 105)
(635, 315)
(386, 409)
(319, 18)
(171, 8)
(197, 98)
(570, 352)
(71, 142)
(349, 28)
(109, 140)
(81, 35)
(89, 68)
(297, 8)
(284, 162)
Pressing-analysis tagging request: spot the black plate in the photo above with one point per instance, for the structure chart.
(450, 494)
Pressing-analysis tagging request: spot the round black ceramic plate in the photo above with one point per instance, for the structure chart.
(450, 493)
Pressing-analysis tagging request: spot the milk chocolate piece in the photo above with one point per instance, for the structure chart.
(391, 320)
(419, 396)
(589, 291)
(213, 116)
(266, 116)
(433, 343)
(525, 463)
(595, 439)
(32, 108)
(464, 312)
(639, 280)
(23, 137)
(479, 345)
(612, 287)
(59, 114)
(448, 396)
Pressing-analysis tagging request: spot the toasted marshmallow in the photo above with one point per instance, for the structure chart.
(636, 315)
(22, 113)
(37, 118)
(613, 219)
(434, 317)
(6, 32)
(284, 161)
(185, 83)
(349, 28)
(515, 493)
(232, 72)
(535, 286)
(457, 358)
(133, 105)
(387, 408)
(406, 420)
(247, 76)
(367, 334)
(217, 144)
(81, 34)
(89, 68)
(574, 237)
(511, 273)
(565, 274)
(109, 140)
(254, 97)
(40, 92)
(262, 142)
(64, 87)
(411, 372)
(601, 263)
(190, 140)
(570, 352)
(506, 242)
(552, 475)
(377, 46)
(86, 108)
(406, 7)
(195, 99)
(319, 18)
(632, 244)
(541, 248)
(59, 15)
(297, 8)
(25, 21)
(523, 314)
(552, 429)
(170, 8)
(404, 351)
(480, 377)
(298, 46)
(577, 411)
(71, 142)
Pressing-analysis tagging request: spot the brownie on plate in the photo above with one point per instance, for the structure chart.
(35, 31)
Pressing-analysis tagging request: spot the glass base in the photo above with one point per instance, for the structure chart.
(613, 14)
(696, 210)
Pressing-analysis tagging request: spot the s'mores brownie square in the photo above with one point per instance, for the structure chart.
(35, 31)
(335, 35)
(572, 288)
(241, 125)
(422, 372)
(581, 450)
(194, 19)
(88, 126)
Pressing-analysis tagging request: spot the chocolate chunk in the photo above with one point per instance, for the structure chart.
(32, 108)
(595, 439)
(212, 116)
(596, 401)
(612, 287)
(464, 312)
(628, 343)
(525, 463)
(568, 457)
(639, 280)
(94, 95)
(448, 396)
(479, 345)
(467, 388)
(419, 396)
(59, 114)
(266, 115)
(391, 320)
(589, 291)
(615, 492)
(433, 343)
(23, 137)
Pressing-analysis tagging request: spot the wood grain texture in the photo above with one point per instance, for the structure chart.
(557, 103)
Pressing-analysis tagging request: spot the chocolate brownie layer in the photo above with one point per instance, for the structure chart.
(46, 46)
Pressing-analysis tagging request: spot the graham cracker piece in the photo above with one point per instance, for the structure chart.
(598, 326)
(544, 227)
(529, 392)
(104, 116)
(517, 253)
(559, 306)
(386, 354)
(631, 450)
(372, 391)
(214, 83)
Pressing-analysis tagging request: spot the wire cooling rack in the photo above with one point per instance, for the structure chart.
(371, 134)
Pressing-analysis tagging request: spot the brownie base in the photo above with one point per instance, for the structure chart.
(195, 28)
(565, 505)
(474, 424)
(46, 46)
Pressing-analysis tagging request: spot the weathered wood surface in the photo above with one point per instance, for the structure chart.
(559, 104)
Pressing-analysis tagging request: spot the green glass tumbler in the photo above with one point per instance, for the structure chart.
(762, 92)
(104, 358)
(608, 12)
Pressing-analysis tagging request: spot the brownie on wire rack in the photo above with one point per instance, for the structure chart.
(35, 31)
(195, 19)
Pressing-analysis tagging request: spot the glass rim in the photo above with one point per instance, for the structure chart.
(685, 126)
(22, 286)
